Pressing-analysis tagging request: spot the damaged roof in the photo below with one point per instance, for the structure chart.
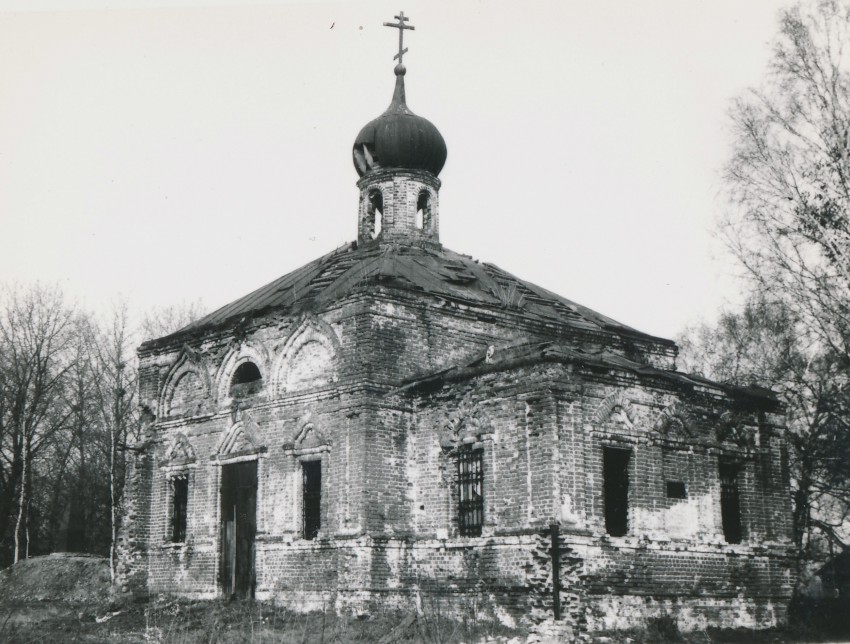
(435, 271)
(513, 356)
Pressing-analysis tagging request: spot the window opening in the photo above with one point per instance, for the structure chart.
(376, 213)
(615, 467)
(423, 210)
(179, 505)
(676, 490)
(730, 503)
(312, 472)
(470, 477)
(246, 380)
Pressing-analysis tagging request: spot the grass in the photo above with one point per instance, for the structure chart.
(181, 621)
(184, 621)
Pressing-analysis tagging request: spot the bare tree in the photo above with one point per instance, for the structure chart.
(36, 327)
(67, 412)
(115, 395)
(788, 224)
(789, 174)
(762, 344)
(165, 320)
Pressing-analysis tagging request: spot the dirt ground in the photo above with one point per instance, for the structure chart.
(66, 598)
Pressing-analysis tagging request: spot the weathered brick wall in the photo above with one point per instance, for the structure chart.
(331, 390)
(545, 427)
(400, 191)
(134, 536)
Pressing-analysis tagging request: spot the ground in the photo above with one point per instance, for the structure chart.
(66, 598)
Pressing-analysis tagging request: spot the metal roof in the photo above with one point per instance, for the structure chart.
(434, 271)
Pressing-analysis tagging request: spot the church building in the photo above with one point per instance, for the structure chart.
(397, 424)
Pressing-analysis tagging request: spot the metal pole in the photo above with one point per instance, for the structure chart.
(556, 572)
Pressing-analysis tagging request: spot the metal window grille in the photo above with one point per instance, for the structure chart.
(179, 504)
(470, 476)
(312, 498)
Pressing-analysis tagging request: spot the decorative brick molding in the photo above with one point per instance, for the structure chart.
(245, 351)
(675, 423)
(293, 371)
(616, 406)
(189, 365)
(467, 424)
(241, 438)
(308, 440)
(180, 452)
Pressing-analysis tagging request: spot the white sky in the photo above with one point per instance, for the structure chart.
(172, 153)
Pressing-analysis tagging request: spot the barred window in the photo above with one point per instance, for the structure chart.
(470, 491)
(179, 504)
(312, 471)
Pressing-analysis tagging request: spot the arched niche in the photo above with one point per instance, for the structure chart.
(615, 408)
(674, 423)
(187, 388)
(308, 359)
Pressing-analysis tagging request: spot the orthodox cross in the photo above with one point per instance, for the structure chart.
(402, 50)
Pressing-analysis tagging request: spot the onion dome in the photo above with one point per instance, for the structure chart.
(399, 139)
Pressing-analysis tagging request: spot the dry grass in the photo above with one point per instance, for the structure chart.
(192, 622)
(181, 621)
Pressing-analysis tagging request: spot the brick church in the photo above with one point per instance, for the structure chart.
(396, 423)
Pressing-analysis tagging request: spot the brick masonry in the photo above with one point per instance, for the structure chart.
(383, 386)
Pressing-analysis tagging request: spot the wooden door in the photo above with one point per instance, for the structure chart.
(238, 528)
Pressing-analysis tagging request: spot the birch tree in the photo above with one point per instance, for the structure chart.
(788, 225)
(788, 177)
(115, 393)
(762, 344)
(36, 327)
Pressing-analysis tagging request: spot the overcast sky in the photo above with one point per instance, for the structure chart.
(176, 151)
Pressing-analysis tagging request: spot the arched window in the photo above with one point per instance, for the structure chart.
(246, 380)
(423, 211)
(375, 213)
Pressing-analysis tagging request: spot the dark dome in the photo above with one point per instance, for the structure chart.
(399, 139)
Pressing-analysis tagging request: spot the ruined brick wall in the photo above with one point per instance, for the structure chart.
(134, 535)
(543, 430)
(332, 389)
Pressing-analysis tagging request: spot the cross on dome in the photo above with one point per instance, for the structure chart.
(402, 50)
(399, 140)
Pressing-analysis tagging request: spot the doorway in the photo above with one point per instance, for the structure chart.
(238, 528)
